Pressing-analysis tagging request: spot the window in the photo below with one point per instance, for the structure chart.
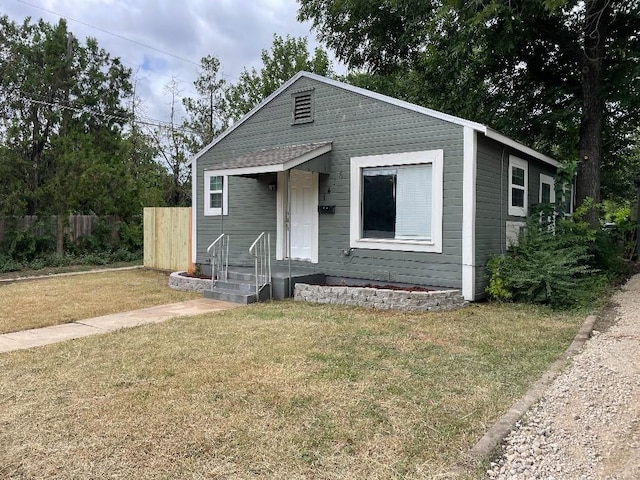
(547, 189)
(215, 194)
(302, 107)
(396, 201)
(518, 180)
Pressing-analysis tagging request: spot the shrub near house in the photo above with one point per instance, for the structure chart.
(563, 262)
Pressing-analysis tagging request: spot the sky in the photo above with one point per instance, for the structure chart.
(161, 39)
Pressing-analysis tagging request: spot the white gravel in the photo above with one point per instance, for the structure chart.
(587, 425)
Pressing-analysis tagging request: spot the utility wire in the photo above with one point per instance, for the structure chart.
(197, 64)
(137, 119)
(222, 74)
(110, 33)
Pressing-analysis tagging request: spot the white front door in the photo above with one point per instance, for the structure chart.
(304, 215)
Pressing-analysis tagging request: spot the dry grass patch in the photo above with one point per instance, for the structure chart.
(51, 301)
(281, 390)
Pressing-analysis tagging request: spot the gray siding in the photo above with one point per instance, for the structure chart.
(357, 126)
(492, 201)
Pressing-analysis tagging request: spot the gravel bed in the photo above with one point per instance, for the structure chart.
(587, 425)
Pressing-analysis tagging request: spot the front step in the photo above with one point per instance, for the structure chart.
(238, 288)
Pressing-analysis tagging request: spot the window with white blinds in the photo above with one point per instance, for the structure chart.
(396, 201)
(413, 203)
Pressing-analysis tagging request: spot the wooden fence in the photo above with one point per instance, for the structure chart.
(167, 238)
(72, 227)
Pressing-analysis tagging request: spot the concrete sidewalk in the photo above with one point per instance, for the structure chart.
(108, 323)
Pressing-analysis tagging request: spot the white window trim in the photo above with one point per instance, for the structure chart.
(433, 157)
(212, 212)
(548, 180)
(518, 162)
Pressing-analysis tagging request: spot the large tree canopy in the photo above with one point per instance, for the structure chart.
(562, 75)
(61, 120)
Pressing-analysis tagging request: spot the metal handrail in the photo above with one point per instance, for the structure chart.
(219, 250)
(261, 251)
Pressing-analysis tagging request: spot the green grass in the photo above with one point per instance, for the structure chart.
(281, 390)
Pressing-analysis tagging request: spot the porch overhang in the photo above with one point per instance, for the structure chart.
(310, 157)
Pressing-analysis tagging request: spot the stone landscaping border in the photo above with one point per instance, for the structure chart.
(179, 281)
(381, 298)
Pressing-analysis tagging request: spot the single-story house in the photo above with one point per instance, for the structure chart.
(358, 186)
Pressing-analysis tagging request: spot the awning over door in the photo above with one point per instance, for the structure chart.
(310, 157)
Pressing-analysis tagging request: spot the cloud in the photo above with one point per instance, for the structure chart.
(164, 39)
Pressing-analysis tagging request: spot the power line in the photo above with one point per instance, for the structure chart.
(110, 33)
(122, 37)
(109, 116)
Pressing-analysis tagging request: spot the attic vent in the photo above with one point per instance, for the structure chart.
(303, 107)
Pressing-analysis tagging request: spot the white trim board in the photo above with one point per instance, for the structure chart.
(433, 157)
(469, 174)
(516, 211)
(194, 214)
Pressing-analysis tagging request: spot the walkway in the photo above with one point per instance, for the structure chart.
(587, 425)
(108, 323)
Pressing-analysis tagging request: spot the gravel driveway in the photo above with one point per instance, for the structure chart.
(587, 425)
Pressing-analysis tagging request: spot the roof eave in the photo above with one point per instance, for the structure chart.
(274, 167)
(520, 147)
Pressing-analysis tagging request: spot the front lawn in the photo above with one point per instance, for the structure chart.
(281, 390)
(51, 301)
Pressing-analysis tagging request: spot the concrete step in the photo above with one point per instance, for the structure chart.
(236, 295)
(237, 285)
(241, 276)
(233, 296)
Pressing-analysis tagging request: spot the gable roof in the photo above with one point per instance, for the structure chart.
(386, 99)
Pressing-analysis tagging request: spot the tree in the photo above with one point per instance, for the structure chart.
(206, 114)
(61, 113)
(172, 143)
(287, 57)
(561, 75)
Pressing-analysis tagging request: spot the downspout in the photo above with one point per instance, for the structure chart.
(222, 206)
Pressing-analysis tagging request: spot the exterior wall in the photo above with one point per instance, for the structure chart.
(357, 126)
(492, 201)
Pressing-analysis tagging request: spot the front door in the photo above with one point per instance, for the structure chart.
(304, 215)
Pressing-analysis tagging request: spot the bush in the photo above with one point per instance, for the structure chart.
(132, 236)
(8, 264)
(563, 263)
(24, 245)
(35, 248)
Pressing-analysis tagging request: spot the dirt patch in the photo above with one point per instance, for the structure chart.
(607, 317)
(202, 276)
